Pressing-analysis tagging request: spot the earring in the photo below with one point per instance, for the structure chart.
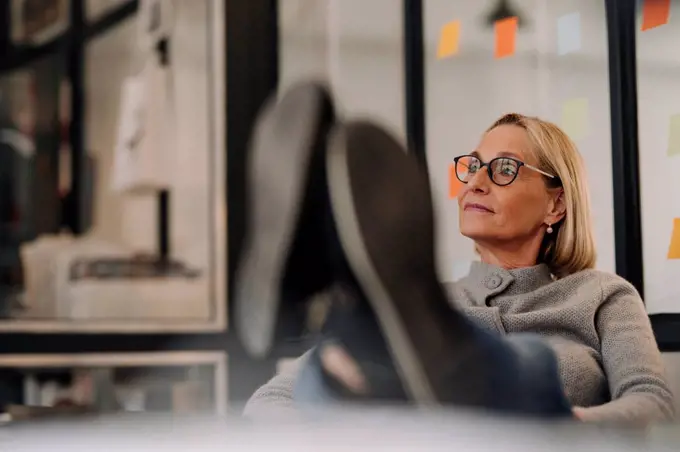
(549, 230)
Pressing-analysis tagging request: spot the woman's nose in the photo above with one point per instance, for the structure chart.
(479, 182)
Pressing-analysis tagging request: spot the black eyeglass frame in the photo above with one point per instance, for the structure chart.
(489, 171)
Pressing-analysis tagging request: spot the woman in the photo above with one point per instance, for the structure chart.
(525, 205)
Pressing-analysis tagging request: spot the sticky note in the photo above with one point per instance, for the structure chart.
(674, 136)
(506, 34)
(568, 33)
(448, 40)
(575, 118)
(454, 184)
(674, 248)
(655, 13)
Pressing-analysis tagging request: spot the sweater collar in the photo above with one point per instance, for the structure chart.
(492, 279)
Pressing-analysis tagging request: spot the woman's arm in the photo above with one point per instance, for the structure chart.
(275, 398)
(632, 361)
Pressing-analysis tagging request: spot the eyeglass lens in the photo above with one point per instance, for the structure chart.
(503, 170)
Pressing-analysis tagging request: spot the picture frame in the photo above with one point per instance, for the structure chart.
(213, 316)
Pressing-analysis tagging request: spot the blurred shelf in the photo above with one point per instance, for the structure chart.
(112, 326)
(138, 359)
(32, 363)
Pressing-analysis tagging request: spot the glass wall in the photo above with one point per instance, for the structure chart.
(659, 138)
(355, 45)
(552, 62)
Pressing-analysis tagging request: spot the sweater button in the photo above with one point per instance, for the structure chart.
(494, 282)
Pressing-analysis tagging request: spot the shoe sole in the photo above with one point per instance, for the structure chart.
(382, 206)
(285, 138)
(349, 231)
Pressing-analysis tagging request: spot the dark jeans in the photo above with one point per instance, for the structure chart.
(525, 378)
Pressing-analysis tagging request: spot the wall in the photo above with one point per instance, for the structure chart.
(343, 42)
(465, 94)
(658, 100)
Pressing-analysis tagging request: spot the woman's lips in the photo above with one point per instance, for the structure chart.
(474, 207)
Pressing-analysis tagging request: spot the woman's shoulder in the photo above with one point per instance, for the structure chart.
(609, 284)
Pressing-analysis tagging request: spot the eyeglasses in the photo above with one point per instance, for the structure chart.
(502, 170)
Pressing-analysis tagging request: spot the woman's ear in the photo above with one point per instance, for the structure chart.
(557, 208)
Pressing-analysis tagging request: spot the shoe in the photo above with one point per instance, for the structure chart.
(282, 260)
(382, 210)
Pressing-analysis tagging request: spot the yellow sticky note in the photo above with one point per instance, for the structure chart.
(674, 136)
(448, 40)
(674, 248)
(575, 118)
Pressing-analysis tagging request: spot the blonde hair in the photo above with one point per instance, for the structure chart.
(571, 247)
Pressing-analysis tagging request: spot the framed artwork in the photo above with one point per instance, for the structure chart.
(153, 261)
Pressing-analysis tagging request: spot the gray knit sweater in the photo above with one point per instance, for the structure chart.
(595, 322)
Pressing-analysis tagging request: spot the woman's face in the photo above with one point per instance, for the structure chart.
(502, 214)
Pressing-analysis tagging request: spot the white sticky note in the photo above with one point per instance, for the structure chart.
(568, 33)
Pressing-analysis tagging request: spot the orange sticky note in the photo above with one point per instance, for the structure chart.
(506, 33)
(655, 13)
(448, 40)
(454, 184)
(674, 248)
